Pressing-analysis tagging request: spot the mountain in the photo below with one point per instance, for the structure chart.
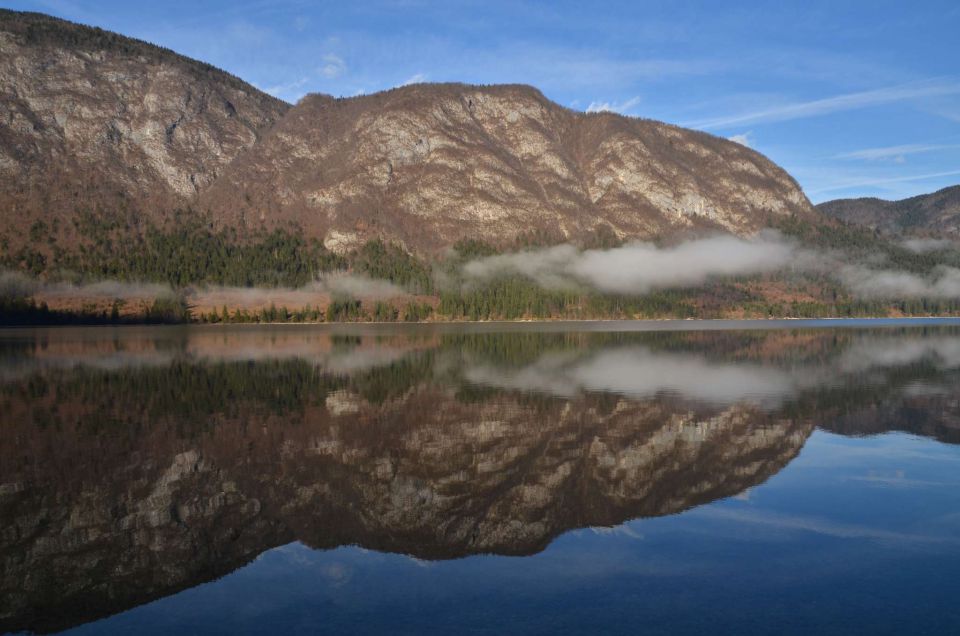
(429, 164)
(95, 121)
(100, 126)
(927, 215)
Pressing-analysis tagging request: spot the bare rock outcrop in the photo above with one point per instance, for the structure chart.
(428, 164)
(92, 121)
(99, 128)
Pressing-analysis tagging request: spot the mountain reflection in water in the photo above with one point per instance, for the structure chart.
(135, 463)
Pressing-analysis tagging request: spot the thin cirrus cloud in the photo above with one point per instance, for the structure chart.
(894, 152)
(860, 183)
(837, 103)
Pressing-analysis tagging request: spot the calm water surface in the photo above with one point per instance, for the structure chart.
(676, 478)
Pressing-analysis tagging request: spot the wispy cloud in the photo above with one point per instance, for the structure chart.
(894, 152)
(624, 107)
(874, 182)
(333, 66)
(837, 103)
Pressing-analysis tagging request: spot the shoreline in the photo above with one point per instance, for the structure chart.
(635, 324)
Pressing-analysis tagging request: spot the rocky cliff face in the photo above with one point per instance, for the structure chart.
(93, 121)
(429, 164)
(934, 215)
(96, 122)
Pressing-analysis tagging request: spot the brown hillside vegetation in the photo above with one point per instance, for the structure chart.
(101, 125)
(93, 121)
(428, 164)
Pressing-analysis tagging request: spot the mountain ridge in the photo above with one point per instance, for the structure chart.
(493, 162)
(126, 132)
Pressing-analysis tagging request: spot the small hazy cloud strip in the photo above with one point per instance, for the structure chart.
(924, 245)
(16, 285)
(358, 286)
(107, 290)
(339, 284)
(866, 282)
(640, 267)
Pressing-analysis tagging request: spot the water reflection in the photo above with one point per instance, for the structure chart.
(136, 463)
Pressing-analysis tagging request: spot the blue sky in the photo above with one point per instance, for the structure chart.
(853, 98)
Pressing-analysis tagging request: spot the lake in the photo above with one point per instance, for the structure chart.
(781, 477)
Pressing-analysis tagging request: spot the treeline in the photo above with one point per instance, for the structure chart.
(514, 297)
(386, 261)
(191, 252)
(338, 310)
(17, 311)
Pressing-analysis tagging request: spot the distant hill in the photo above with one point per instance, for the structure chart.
(106, 130)
(927, 215)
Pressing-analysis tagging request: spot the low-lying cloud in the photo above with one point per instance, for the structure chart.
(638, 268)
(14, 285)
(107, 290)
(357, 285)
(336, 285)
(867, 282)
(17, 285)
(926, 245)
